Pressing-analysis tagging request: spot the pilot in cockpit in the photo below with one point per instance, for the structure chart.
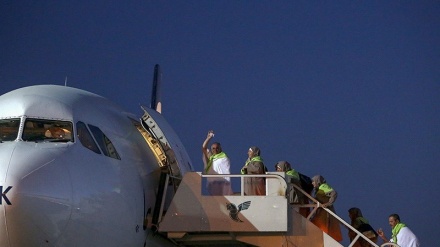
(57, 133)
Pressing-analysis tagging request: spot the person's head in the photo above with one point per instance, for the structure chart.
(354, 213)
(253, 151)
(393, 220)
(282, 166)
(55, 132)
(216, 148)
(317, 180)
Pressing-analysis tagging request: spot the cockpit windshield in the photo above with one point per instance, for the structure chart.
(9, 129)
(47, 130)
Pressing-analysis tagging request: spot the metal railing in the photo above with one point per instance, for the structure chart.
(317, 205)
(243, 176)
(314, 205)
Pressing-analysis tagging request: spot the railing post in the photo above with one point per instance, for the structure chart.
(242, 185)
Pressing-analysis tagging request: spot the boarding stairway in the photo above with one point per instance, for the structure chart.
(189, 217)
(196, 219)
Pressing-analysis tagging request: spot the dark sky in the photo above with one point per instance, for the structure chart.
(349, 90)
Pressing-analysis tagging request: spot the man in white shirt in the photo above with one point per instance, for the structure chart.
(401, 234)
(216, 162)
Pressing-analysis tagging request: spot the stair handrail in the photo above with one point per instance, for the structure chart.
(390, 244)
(243, 176)
(317, 205)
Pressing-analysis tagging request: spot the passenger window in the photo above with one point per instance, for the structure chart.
(86, 138)
(104, 143)
(9, 129)
(47, 130)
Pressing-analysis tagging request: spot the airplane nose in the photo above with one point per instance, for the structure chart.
(36, 195)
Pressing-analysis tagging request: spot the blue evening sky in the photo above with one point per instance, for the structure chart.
(346, 89)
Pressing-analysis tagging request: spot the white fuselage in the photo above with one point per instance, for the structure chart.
(67, 192)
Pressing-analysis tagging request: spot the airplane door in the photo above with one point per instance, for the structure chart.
(176, 159)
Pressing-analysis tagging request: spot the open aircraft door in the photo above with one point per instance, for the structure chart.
(169, 150)
(171, 157)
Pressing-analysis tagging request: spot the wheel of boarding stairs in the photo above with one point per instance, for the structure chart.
(389, 244)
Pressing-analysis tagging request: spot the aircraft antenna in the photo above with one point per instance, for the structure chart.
(65, 82)
(156, 101)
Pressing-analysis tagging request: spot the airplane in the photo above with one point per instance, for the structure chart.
(78, 170)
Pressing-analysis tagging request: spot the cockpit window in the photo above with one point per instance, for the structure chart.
(104, 143)
(47, 130)
(86, 138)
(9, 129)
